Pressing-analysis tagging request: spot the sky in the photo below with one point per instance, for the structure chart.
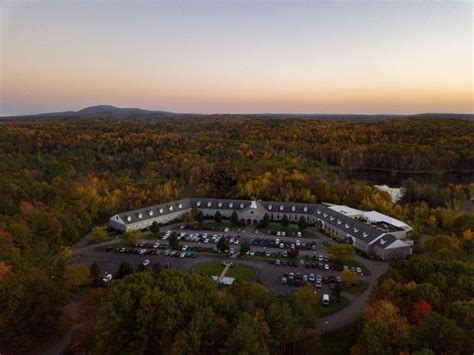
(237, 56)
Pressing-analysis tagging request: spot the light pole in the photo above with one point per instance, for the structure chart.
(326, 328)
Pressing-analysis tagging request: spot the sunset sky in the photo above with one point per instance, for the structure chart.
(237, 56)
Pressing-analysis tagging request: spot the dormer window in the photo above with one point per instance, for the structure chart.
(332, 218)
(198, 203)
(364, 235)
(140, 215)
(281, 208)
(161, 210)
(305, 209)
(293, 208)
(339, 221)
(270, 207)
(219, 204)
(318, 212)
(355, 230)
(129, 218)
(241, 205)
(170, 208)
(231, 205)
(150, 213)
(180, 205)
(209, 204)
(325, 214)
(346, 225)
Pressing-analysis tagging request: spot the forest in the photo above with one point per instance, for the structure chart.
(61, 177)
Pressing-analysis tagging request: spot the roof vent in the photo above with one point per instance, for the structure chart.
(198, 203)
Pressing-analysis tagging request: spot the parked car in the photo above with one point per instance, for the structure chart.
(311, 278)
(284, 280)
(326, 299)
(318, 284)
(146, 262)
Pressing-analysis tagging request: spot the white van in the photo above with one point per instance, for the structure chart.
(326, 299)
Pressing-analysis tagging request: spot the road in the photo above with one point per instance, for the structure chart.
(269, 275)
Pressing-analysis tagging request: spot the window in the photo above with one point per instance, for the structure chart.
(180, 206)
(241, 205)
(150, 213)
(219, 204)
(281, 208)
(305, 209)
(231, 205)
(161, 210)
(209, 204)
(129, 218)
(293, 208)
(170, 208)
(270, 207)
(140, 215)
(198, 203)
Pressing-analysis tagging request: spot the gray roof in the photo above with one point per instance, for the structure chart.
(357, 229)
(385, 241)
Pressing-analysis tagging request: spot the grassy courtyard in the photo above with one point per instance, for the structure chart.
(239, 272)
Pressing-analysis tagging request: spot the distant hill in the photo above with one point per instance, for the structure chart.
(109, 111)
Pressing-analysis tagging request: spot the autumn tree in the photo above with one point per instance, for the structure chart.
(132, 237)
(420, 312)
(342, 252)
(349, 277)
(99, 235)
(76, 275)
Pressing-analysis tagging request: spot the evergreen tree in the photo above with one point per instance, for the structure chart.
(124, 269)
(155, 228)
(95, 273)
(223, 244)
(218, 217)
(174, 242)
(285, 222)
(142, 268)
(302, 223)
(234, 219)
(200, 217)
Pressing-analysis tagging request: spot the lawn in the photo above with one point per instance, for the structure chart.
(239, 272)
(360, 286)
(334, 306)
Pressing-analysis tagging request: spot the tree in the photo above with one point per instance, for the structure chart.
(76, 275)
(349, 277)
(124, 269)
(234, 219)
(155, 228)
(174, 242)
(31, 302)
(244, 338)
(156, 268)
(293, 253)
(95, 273)
(420, 312)
(188, 218)
(442, 335)
(4, 270)
(374, 339)
(99, 235)
(223, 245)
(342, 252)
(385, 312)
(302, 223)
(285, 222)
(200, 217)
(142, 267)
(131, 237)
(218, 217)
(265, 222)
(244, 247)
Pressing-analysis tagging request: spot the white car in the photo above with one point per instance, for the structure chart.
(146, 262)
(226, 229)
(141, 251)
(291, 276)
(326, 299)
(278, 233)
(256, 231)
(283, 233)
(326, 267)
(298, 243)
(182, 255)
(359, 270)
(282, 246)
(319, 278)
(156, 245)
(231, 251)
(107, 277)
(298, 234)
(252, 252)
(320, 258)
(184, 248)
(305, 278)
(311, 278)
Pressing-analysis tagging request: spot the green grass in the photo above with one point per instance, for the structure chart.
(239, 272)
(334, 306)
(360, 286)
(209, 269)
(242, 272)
